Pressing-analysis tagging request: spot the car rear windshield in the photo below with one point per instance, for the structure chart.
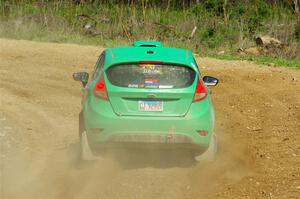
(150, 76)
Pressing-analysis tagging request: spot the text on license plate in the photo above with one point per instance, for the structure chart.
(150, 106)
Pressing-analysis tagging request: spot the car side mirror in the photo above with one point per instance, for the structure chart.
(210, 81)
(81, 76)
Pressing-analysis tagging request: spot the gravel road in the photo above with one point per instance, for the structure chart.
(257, 122)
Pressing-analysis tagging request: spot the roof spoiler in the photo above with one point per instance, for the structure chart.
(147, 44)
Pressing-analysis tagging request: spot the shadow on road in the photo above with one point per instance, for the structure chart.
(135, 158)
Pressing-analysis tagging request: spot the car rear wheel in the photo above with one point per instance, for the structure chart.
(211, 153)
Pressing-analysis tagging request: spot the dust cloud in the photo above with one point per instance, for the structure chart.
(120, 174)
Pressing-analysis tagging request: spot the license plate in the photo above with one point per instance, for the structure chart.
(151, 106)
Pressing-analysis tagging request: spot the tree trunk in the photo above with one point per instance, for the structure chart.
(225, 10)
(267, 41)
(296, 3)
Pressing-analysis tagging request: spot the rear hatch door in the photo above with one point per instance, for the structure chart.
(150, 89)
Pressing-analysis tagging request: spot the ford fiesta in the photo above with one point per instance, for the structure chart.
(146, 95)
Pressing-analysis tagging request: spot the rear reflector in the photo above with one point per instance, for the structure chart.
(202, 133)
(100, 89)
(96, 130)
(200, 92)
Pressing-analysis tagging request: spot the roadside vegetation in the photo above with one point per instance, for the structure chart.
(219, 28)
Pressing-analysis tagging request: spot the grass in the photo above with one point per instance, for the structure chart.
(271, 61)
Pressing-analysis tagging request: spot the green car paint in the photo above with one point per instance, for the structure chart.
(117, 116)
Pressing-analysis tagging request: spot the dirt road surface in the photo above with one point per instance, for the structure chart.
(257, 117)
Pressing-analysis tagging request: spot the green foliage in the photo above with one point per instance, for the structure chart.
(263, 9)
(255, 16)
(297, 32)
(209, 7)
(171, 21)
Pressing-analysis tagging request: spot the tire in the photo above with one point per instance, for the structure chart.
(211, 153)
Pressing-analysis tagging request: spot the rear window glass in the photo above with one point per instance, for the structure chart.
(150, 76)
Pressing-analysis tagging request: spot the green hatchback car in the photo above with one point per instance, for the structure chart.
(146, 95)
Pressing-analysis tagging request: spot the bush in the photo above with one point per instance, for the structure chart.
(108, 20)
(297, 32)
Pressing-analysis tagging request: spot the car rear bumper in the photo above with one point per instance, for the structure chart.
(106, 129)
(147, 138)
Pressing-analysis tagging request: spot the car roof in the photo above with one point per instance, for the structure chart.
(148, 51)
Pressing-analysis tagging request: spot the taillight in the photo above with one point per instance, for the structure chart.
(100, 89)
(200, 92)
